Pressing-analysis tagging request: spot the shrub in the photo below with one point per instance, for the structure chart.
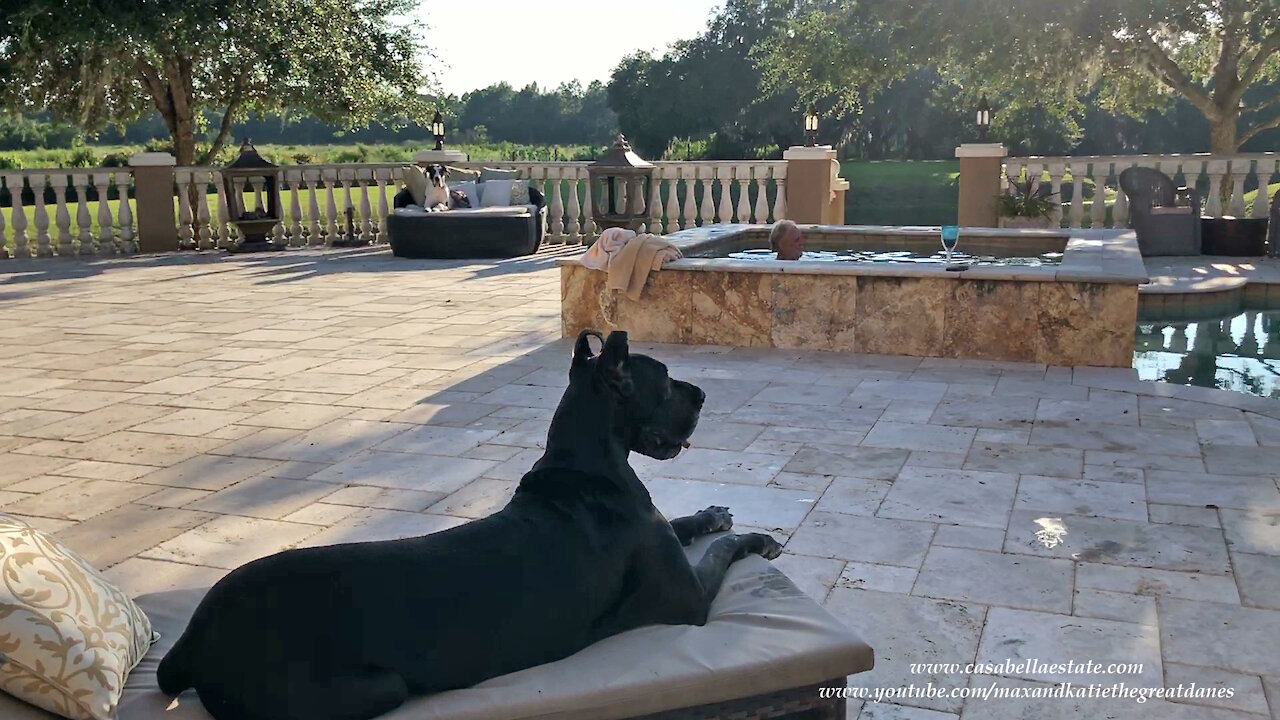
(1026, 199)
(116, 159)
(304, 158)
(83, 158)
(10, 162)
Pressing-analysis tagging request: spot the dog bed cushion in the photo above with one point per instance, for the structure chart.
(416, 183)
(68, 636)
(763, 635)
(500, 193)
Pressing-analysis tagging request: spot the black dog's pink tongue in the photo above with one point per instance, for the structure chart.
(685, 444)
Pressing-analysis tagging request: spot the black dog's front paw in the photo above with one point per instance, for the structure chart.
(718, 518)
(762, 545)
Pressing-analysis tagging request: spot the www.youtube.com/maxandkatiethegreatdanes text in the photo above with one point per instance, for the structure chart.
(998, 689)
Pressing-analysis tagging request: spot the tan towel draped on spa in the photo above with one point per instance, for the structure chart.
(629, 258)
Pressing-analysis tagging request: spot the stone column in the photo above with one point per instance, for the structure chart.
(444, 157)
(153, 197)
(815, 190)
(980, 169)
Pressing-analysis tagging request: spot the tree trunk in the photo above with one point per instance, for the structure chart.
(1223, 137)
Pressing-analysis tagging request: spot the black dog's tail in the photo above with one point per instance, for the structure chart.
(174, 672)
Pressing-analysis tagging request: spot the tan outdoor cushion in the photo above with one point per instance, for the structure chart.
(68, 636)
(415, 181)
(764, 635)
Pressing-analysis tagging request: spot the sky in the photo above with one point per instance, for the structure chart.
(482, 42)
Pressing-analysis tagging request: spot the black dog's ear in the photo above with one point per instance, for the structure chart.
(582, 349)
(613, 362)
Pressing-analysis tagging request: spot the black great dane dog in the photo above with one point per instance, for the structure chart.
(348, 632)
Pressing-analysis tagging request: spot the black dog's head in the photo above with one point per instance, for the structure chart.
(656, 412)
(437, 174)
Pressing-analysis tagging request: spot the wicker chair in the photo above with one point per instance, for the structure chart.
(1163, 227)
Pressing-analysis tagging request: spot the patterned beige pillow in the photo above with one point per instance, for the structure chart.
(68, 637)
(416, 183)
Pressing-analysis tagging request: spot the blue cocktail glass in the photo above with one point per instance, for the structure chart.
(950, 236)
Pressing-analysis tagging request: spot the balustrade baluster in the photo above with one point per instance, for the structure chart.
(224, 215)
(1217, 170)
(125, 214)
(588, 224)
(1262, 172)
(84, 223)
(742, 178)
(312, 177)
(366, 179)
(294, 178)
(1098, 206)
(1239, 171)
(779, 174)
(4, 243)
(346, 177)
(655, 203)
(670, 203)
(724, 199)
(106, 231)
(1075, 218)
(381, 175)
(575, 208)
(557, 204)
(186, 237)
(760, 213)
(1120, 211)
(331, 223)
(706, 211)
(203, 231)
(18, 218)
(1056, 171)
(40, 215)
(688, 212)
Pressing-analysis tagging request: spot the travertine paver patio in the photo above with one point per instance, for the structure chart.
(174, 417)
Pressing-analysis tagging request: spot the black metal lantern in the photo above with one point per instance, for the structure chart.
(437, 129)
(621, 183)
(811, 126)
(984, 117)
(252, 173)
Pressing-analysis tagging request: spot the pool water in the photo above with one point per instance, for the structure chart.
(881, 256)
(1238, 352)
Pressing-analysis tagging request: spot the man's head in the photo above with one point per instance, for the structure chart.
(786, 240)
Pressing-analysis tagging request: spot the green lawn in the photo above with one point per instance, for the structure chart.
(922, 192)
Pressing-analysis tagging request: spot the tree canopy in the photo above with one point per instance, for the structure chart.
(100, 62)
(1220, 56)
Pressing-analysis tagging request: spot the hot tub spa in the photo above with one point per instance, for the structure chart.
(1065, 297)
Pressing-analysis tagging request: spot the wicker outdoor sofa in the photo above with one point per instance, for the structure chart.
(480, 232)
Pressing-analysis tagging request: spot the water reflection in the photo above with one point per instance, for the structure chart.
(1240, 352)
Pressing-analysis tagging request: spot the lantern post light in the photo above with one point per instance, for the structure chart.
(984, 118)
(437, 129)
(811, 126)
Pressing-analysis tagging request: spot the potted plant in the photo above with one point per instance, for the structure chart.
(1024, 206)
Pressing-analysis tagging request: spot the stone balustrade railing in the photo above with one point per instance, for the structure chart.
(321, 201)
(58, 212)
(686, 194)
(66, 212)
(322, 205)
(1079, 181)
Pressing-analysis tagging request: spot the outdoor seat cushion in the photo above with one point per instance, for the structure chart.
(763, 635)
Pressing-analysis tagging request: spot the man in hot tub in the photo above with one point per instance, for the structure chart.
(786, 240)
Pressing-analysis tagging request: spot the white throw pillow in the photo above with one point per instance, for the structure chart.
(497, 193)
(416, 183)
(471, 189)
(68, 636)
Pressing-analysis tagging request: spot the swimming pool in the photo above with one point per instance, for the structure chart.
(1237, 351)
